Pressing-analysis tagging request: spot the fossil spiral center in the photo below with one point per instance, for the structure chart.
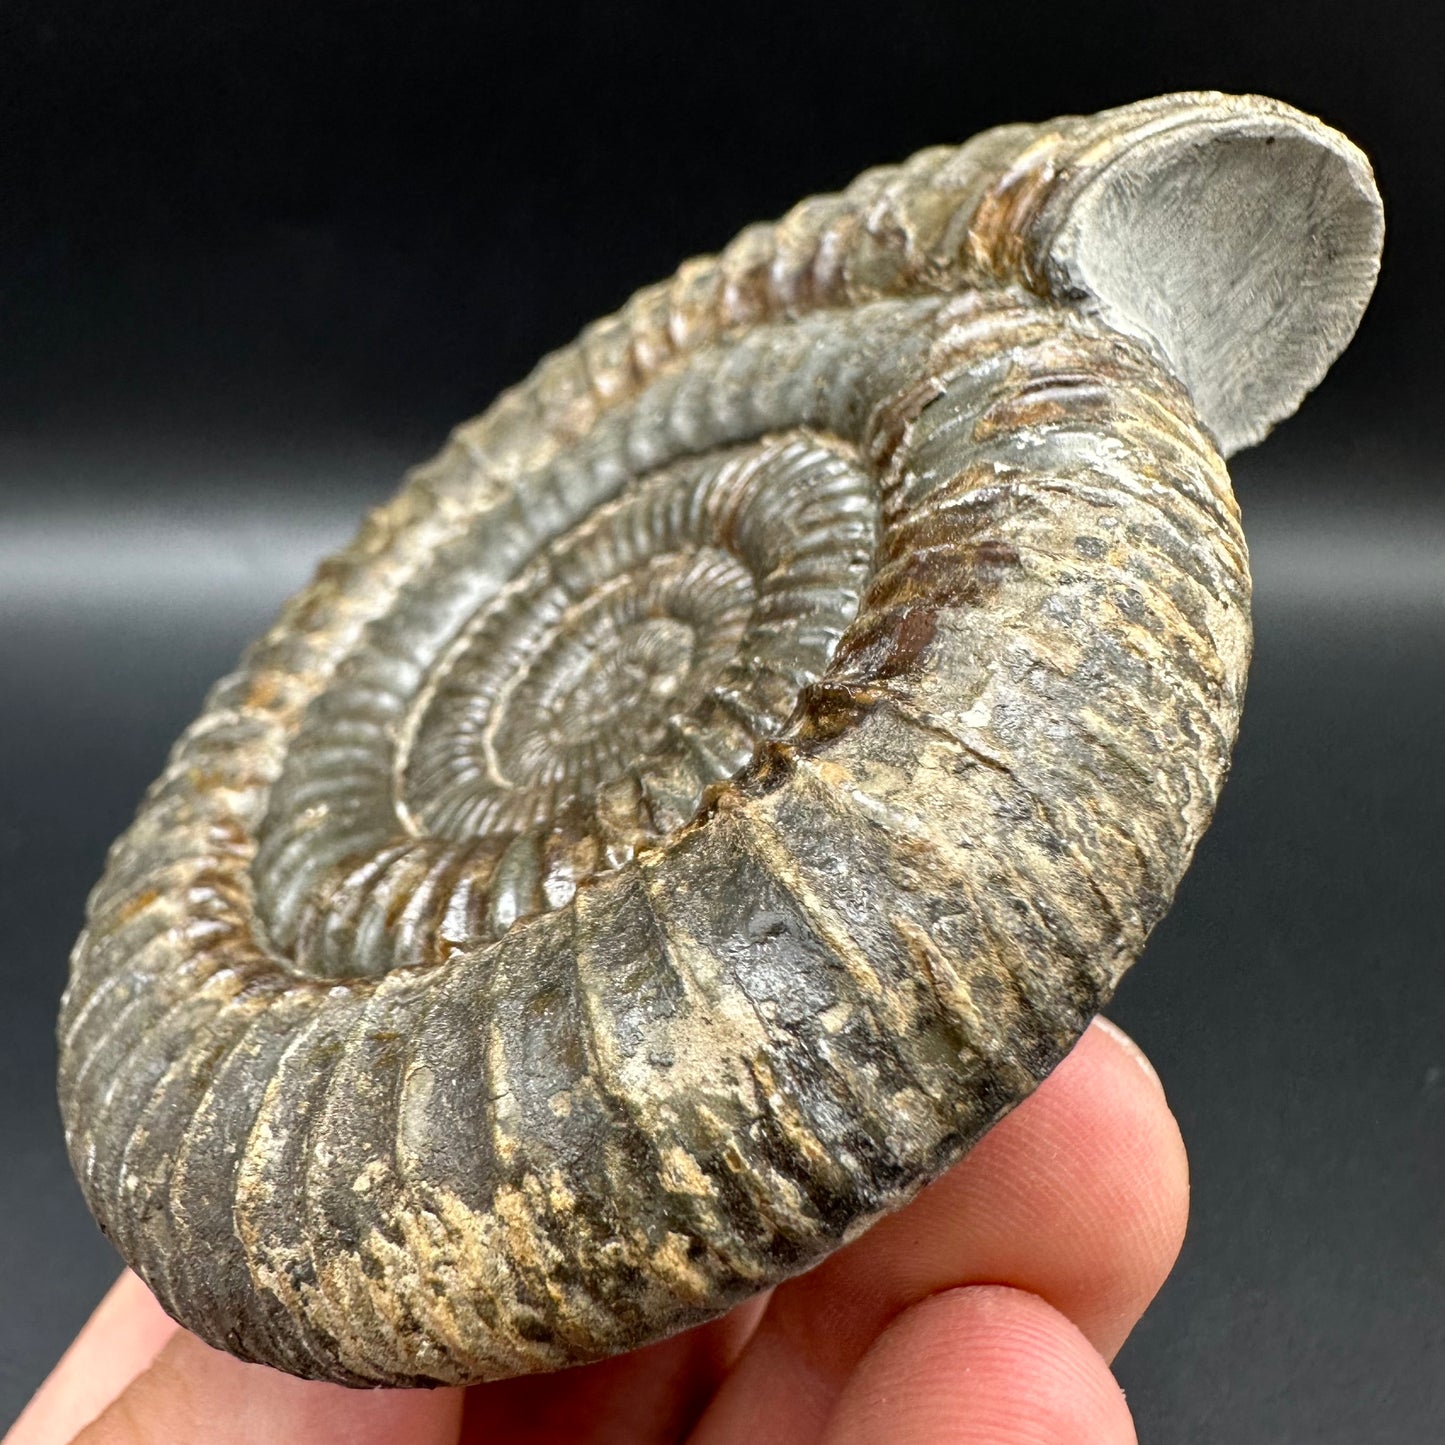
(554, 698)
(463, 774)
(649, 649)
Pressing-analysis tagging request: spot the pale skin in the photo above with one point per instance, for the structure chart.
(986, 1313)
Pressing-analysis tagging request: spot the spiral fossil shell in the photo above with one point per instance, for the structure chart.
(728, 777)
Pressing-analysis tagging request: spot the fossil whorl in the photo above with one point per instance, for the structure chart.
(728, 777)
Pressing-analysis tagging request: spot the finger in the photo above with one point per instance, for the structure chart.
(653, 1394)
(1079, 1197)
(194, 1395)
(119, 1340)
(984, 1365)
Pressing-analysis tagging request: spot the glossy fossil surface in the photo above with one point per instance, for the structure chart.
(728, 777)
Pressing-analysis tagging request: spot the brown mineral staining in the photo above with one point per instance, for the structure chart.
(998, 236)
(829, 707)
(728, 777)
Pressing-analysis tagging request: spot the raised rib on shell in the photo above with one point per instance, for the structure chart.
(728, 777)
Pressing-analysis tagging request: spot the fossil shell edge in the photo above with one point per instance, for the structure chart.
(728, 777)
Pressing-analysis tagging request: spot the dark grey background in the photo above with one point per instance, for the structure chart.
(255, 259)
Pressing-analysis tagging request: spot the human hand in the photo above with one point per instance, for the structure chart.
(986, 1311)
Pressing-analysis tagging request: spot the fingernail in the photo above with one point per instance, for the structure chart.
(1131, 1048)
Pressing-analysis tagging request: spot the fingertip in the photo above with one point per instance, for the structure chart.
(1104, 1228)
(981, 1365)
(193, 1393)
(1080, 1196)
(1149, 1212)
(122, 1337)
(1115, 1034)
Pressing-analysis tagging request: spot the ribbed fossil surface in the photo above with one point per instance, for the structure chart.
(728, 777)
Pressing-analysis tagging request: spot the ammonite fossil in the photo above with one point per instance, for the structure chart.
(728, 777)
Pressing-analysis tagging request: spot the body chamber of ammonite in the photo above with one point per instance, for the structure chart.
(728, 777)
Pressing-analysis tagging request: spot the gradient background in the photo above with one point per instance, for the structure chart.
(256, 258)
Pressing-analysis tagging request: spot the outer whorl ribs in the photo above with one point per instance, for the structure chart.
(728, 777)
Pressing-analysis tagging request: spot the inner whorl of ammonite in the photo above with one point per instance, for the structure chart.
(577, 716)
